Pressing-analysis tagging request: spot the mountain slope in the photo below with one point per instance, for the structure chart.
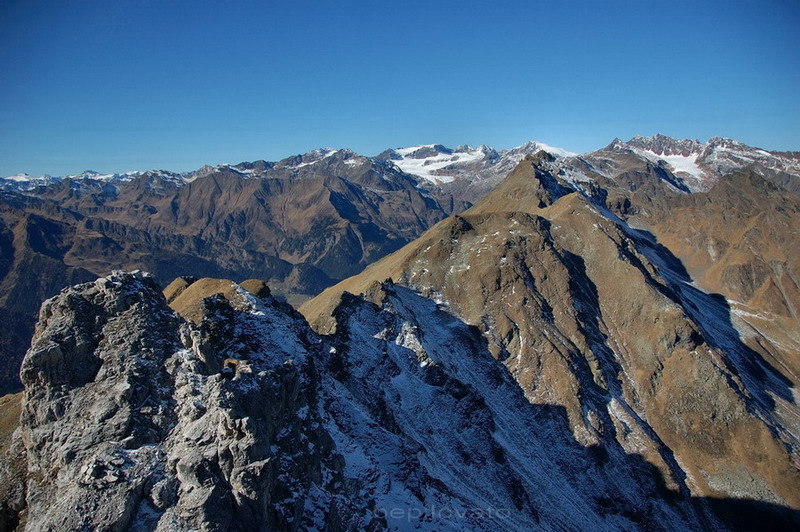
(591, 315)
(737, 237)
(742, 243)
(698, 166)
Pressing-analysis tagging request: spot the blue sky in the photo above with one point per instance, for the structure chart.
(125, 85)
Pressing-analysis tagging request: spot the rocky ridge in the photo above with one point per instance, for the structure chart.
(700, 165)
(591, 314)
(243, 418)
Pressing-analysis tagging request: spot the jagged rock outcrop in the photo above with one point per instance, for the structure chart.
(133, 419)
(98, 398)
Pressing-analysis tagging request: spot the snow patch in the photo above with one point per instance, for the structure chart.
(553, 150)
(428, 167)
(679, 163)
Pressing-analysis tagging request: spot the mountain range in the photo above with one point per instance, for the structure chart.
(516, 339)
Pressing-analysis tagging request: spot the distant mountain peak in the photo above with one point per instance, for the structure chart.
(702, 164)
(441, 165)
(664, 145)
(20, 177)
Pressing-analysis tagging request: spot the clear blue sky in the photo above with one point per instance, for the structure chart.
(120, 85)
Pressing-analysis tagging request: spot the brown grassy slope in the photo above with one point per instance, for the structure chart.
(185, 296)
(10, 406)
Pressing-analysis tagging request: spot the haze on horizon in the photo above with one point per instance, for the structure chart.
(134, 85)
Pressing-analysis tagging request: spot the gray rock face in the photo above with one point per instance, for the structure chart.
(98, 400)
(133, 419)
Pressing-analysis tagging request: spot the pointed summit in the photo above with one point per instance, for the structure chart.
(531, 185)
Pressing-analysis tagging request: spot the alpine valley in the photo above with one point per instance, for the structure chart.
(429, 339)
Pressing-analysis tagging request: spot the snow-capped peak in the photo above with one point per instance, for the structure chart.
(20, 178)
(91, 174)
(439, 164)
(428, 161)
(25, 182)
(98, 176)
(701, 164)
(533, 146)
(664, 145)
(309, 158)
